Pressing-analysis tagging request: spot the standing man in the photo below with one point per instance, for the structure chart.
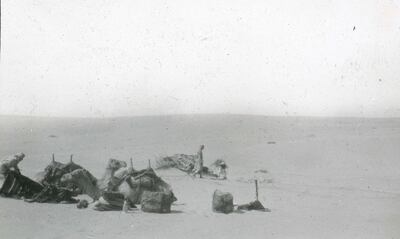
(198, 164)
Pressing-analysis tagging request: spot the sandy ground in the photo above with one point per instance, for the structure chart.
(327, 178)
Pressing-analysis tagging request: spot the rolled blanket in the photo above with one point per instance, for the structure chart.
(113, 202)
(53, 194)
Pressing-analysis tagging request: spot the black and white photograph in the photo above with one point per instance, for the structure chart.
(223, 119)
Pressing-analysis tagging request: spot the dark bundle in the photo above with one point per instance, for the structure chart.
(18, 186)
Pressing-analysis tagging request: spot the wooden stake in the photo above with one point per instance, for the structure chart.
(131, 162)
(256, 182)
(52, 157)
(70, 158)
(149, 164)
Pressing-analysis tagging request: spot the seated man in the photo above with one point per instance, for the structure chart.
(10, 163)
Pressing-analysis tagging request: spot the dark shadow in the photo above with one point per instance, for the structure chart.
(238, 211)
(242, 211)
(175, 212)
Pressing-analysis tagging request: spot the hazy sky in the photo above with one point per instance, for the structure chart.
(110, 58)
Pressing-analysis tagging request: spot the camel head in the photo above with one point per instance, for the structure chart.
(84, 180)
(115, 164)
(74, 176)
(67, 178)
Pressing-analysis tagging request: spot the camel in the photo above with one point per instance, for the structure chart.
(217, 169)
(183, 162)
(55, 170)
(116, 191)
(186, 163)
(90, 185)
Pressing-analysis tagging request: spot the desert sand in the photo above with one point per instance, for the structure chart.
(321, 177)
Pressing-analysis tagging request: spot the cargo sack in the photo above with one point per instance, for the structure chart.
(158, 202)
(222, 202)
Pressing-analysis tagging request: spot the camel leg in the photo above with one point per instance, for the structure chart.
(96, 202)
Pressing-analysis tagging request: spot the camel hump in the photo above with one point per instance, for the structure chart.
(82, 173)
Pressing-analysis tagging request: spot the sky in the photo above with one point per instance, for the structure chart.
(106, 58)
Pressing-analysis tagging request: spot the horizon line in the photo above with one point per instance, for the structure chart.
(196, 114)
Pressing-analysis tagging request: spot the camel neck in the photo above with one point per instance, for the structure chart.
(108, 173)
(87, 186)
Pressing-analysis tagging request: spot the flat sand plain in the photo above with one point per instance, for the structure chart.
(321, 177)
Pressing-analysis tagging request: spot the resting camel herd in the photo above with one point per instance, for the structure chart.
(120, 188)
